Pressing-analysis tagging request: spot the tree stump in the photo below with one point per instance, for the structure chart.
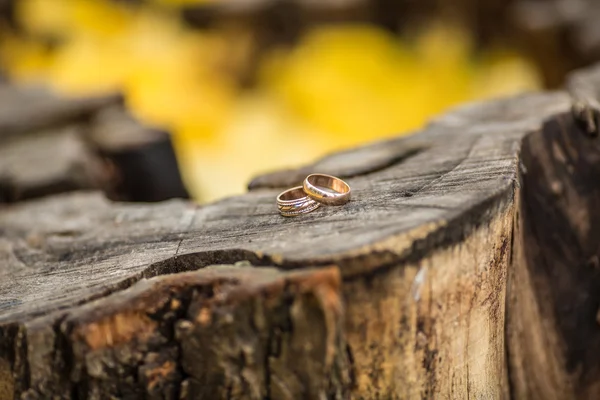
(52, 145)
(466, 266)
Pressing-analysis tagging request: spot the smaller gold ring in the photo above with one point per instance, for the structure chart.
(327, 189)
(294, 202)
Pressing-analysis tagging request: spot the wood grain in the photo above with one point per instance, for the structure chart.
(428, 284)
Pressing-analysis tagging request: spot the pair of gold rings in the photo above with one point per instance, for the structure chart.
(316, 190)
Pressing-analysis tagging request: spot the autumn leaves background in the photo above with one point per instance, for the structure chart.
(236, 107)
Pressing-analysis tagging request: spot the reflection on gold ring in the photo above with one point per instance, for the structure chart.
(327, 189)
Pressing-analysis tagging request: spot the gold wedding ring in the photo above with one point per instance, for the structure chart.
(327, 189)
(294, 202)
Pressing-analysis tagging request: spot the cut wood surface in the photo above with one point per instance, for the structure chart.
(465, 266)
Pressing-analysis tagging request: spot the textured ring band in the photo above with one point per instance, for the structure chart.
(294, 202)
(327, 189)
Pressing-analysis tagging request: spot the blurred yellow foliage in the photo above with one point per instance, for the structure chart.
(341, 86)
(357, 82)
(184, 2)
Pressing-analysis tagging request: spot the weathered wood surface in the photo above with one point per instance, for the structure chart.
(52, 145)
(401, 293)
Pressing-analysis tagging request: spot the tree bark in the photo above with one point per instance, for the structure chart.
(464, 267)
(553, 328)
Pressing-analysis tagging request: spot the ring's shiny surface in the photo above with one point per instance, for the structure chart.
(294, 202)
(327, 189)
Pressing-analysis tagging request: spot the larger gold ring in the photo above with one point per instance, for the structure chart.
(294, 202)
(327, 189)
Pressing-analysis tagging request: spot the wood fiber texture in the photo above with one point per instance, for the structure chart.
(465, 266)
